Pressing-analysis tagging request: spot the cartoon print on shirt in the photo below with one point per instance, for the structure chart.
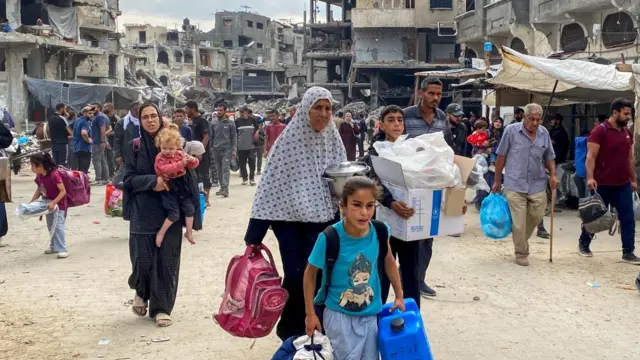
(360, 296)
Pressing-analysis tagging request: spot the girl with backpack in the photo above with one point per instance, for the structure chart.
(51, 186)
(352, 300)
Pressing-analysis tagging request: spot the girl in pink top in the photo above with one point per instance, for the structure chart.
(171, 163)
(51, 187)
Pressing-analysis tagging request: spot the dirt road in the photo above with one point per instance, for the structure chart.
(77, 308)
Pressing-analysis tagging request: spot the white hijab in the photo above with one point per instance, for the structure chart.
(291, 188)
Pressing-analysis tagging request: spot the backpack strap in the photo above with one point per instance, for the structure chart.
(383, 241)
(332, 252)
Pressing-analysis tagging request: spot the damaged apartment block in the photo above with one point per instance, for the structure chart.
(265, 55)
(55, 40)
(370, 49)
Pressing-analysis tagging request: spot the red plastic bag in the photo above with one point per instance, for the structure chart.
(477, 139)
(107, 196)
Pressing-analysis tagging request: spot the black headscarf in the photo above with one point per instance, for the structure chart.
(147, 150)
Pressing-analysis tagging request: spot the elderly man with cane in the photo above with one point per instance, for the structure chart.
(526, 150)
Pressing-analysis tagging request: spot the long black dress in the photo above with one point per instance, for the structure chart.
(155, 270)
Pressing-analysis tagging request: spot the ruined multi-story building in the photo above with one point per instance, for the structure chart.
(600, 30)
(56, 40)
(264, 54)
(377, 46)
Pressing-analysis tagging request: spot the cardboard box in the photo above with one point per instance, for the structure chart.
(430, 219)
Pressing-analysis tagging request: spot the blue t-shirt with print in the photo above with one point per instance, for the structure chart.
(99, 120)
(81, 123)
(355, 282)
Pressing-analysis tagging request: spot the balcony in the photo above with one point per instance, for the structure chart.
(470, 27)
(553, 11)
(498, 15)
(383, 18)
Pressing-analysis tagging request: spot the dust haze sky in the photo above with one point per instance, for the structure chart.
(171, 12)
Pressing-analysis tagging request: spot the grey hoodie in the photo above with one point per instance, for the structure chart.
(224, 135)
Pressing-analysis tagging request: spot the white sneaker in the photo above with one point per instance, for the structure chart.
(63, 255)
(2, 244)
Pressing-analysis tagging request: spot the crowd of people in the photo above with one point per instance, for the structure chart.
(167, 163)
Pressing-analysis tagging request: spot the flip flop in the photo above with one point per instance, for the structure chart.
(139, 306)
(163, 320)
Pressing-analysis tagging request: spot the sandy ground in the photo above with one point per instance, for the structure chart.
(62, 309)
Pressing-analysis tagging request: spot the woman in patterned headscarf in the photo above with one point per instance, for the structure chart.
(293, 199)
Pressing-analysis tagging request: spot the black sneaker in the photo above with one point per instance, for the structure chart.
(631, 258)
(426, 291)
(584, 250)
(219, 192)
(224, 193)
(543, 234)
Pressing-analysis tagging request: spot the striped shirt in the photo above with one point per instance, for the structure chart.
(415, 124)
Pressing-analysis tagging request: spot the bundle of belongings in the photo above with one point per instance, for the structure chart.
(595, 215)
(316, 347)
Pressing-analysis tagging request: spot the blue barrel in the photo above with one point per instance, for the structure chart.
(402, 335)
(203, 206)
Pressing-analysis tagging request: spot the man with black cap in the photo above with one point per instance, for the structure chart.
(459, 131)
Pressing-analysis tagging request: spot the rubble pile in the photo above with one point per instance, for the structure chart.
(261, 107)
(356, 108)
(375, 114)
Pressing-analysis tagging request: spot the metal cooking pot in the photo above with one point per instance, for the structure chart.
(336, 175)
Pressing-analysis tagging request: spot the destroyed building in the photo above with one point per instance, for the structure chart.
(61, 40)
(372, 48)
(265, 56)
(597, 30)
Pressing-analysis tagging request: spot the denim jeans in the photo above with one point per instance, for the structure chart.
(59, 154)
(100, 165)
(620, 198)
(56, 225)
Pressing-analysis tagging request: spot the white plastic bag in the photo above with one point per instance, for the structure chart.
(304, 353)
(636, 205)
(427, 160)
(482, 161)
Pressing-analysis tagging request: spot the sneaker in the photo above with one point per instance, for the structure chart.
(522, 260)
(584, 250)
(259, 172)
(224, 193)
(244, 182)
(543, 234)
(63, 255)
(219, 192)
(426, 291)
(49, 252)
(252, 183)
(631, 258)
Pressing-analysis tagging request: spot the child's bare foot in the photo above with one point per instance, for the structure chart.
(159, 238)
(189, 235)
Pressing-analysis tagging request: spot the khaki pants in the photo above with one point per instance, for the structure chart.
(526, 213)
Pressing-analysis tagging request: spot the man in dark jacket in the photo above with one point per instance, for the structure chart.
(459, 130)
(559, 139)
(127, 129)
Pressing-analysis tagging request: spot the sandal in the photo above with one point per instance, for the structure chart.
(139, 306)
(163, 320)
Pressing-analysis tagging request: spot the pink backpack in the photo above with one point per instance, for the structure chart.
(253, 298)
(76, 183)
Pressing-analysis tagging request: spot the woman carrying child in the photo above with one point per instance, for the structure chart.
(353, 300)
(172, 164)
(50, 186)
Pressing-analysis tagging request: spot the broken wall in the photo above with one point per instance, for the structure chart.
(382, 45)
(152, 33)
(96, 17)
(93, 66)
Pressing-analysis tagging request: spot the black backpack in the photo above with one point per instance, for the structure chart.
(333, 251)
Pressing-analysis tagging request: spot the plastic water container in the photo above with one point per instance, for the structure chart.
(203, 206)
(402, 335)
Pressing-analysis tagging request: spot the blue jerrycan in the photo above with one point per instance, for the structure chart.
(402, 335)
(203, 206)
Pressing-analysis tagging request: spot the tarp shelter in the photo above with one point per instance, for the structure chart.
(77, 95)
(578, 80)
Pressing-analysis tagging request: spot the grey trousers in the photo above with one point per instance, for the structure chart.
(222, 159)
(352, 337)
(100, 165)
(259, 155)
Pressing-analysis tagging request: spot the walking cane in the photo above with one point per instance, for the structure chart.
(553, 202)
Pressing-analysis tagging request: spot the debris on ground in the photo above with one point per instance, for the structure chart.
(261, 107)
(104, 342)
(163, 339)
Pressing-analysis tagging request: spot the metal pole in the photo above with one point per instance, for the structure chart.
(553, 93)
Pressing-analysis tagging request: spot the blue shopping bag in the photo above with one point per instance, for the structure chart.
(495, 217)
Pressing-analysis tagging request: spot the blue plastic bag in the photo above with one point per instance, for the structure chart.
(495, 217)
